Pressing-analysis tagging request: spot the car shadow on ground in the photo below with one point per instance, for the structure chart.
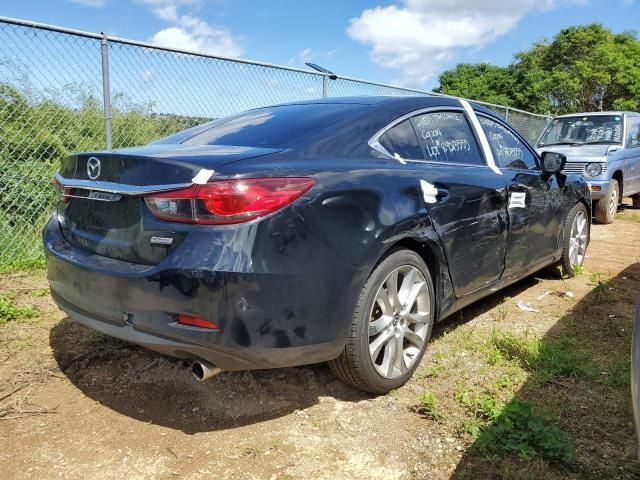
(489, 303)
(157, 389)
(578, 380)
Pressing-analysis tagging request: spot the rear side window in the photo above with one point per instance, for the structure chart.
(401, 141)
(446, 137)
(508, 150)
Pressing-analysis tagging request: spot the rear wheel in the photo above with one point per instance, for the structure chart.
(391, 325)
(575, 238)
(636, 200)
(605, 209)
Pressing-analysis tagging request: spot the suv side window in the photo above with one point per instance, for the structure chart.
(508, 150)
(446, 137)
(633, 132)
(401, 141)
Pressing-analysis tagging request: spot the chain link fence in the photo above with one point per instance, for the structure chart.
(64, 91)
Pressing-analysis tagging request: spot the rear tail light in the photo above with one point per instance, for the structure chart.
(228, 201)
(65, 193)
(192, 321)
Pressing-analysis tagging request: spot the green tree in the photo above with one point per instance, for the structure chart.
(583, 68)
(481, 81)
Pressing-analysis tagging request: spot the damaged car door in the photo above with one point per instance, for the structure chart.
(534, 204)
(464, 197)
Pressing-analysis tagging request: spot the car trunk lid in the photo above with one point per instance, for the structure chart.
(105, 213)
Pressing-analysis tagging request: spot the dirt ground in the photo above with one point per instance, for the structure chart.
(75, 404)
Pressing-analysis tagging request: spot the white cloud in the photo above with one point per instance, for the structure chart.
(418, 37)
(217, 41)
(168, 13)
(190, 32)
(309, 55)
(91, 3)
(168, 9)
(303, 57)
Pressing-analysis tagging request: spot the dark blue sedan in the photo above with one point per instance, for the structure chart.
(333, 230)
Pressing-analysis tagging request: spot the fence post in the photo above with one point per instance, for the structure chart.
(106, 92)
(325, 86)
(506, 114)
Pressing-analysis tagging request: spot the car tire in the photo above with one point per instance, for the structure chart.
(388, 337)
(575, 239)
(605, 209)
(635, 200)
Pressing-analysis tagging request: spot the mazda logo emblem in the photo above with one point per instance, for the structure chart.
(93, 168)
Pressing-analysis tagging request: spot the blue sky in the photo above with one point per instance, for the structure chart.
(407, 42)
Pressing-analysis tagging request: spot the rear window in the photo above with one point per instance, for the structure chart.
(267, 127)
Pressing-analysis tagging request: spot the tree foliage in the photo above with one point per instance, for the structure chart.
(583, 68)
(481, 81)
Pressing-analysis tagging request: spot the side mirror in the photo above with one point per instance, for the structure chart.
(553, 162)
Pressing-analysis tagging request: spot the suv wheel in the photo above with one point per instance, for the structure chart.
(391, 325)
(606, 208)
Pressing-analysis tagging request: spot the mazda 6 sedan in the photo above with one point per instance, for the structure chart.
(331, 230)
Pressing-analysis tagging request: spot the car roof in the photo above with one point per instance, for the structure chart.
(592, 114)
(352, 119)
(356, 100)
(393, 102)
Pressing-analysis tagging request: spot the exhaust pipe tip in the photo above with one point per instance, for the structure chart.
(202, 370)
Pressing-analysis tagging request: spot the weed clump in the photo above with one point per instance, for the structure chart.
(9, 311)
(427, 407)
(517, 430)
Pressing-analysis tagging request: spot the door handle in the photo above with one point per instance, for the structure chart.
(442, 193)
(432, 193)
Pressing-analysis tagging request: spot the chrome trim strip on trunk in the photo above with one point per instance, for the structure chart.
(121, 188)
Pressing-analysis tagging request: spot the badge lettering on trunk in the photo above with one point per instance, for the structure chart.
(161, 241)
(104, 196)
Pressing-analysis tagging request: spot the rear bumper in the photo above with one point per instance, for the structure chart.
(266, 319)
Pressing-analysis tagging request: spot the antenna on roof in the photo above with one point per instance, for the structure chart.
(320, 69)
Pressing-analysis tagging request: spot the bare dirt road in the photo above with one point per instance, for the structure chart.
(75, 404)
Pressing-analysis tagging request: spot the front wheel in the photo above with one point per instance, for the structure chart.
(575, 239)
(391, 325)
(605, 209)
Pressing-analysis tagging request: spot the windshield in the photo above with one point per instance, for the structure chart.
(265, 127)
(583, 130)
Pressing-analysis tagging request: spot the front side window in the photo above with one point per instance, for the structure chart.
(633, 132)
(586, 129)
(447, 137)
(508, 150)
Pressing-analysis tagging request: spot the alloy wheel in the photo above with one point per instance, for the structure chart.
(399, 321)
(578, 239)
